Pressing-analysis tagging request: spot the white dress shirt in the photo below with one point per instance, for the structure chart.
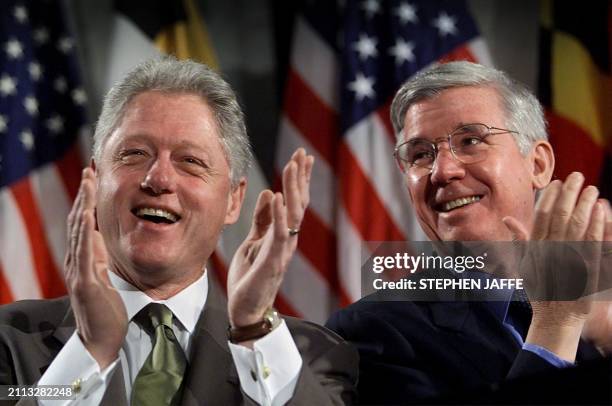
(275, 360)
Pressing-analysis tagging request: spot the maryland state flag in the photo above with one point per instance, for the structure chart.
(175, 27)
(575, 86)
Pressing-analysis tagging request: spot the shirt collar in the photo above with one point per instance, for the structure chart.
(187, 305)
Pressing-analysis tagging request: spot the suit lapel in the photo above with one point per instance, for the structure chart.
(474, 333)
(66, 327)
(211, 377)
(60, 335)
(115, 393)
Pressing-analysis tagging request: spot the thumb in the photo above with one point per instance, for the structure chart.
(518, 230)
(262, 214)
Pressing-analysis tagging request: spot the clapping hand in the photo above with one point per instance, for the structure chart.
(259, 264)
(564, 213)
(100, 315)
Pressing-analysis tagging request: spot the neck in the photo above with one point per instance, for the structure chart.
(158, 285)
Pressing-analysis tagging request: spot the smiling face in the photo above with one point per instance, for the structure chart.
(164, 191)
(466, 202)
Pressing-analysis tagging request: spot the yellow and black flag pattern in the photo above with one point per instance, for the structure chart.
(175, 27)
(575, 86)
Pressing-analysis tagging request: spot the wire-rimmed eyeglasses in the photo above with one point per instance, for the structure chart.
(467, 144)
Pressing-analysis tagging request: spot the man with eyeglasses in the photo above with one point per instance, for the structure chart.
(473, 149)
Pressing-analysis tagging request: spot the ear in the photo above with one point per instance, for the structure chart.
(234, 202)
(543, 158)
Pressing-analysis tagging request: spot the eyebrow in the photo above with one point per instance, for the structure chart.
(190, 144)
(147, 139)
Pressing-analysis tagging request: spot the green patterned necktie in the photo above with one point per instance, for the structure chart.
(159, 380)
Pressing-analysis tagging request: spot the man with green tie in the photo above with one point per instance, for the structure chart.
(143, 324)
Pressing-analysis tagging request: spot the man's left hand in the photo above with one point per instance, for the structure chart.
(598, 327)
(259, 264)
(564, 213)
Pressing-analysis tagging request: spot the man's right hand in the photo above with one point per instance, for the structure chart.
(100, 315)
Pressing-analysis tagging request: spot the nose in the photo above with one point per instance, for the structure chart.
(446, 167)
(160, 177)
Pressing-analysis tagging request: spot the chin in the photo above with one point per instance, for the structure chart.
(477, 235)
(149, 259)
(149, 266)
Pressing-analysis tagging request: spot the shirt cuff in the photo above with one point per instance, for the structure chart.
(547, 355)
(269, 373)
(75, 366)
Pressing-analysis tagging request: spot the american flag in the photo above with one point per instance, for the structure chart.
(348, 59)
(42, 114)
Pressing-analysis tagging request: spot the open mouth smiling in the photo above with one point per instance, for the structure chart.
(457, 203)
(155, 215)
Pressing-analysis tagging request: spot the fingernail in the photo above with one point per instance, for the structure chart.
(593, 189)
(577, 175)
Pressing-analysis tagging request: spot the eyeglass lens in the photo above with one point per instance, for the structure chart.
(466, 143)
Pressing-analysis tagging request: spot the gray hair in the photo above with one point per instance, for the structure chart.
(169, 75)
(524, 113)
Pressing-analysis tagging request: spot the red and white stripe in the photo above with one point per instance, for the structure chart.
(33, 214)
(357, 193)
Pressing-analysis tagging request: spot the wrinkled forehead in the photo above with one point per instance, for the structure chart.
(437, 116)
(154, 110)
(158, 106)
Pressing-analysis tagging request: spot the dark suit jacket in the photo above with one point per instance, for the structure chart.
(33, 332)
(410, 351)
